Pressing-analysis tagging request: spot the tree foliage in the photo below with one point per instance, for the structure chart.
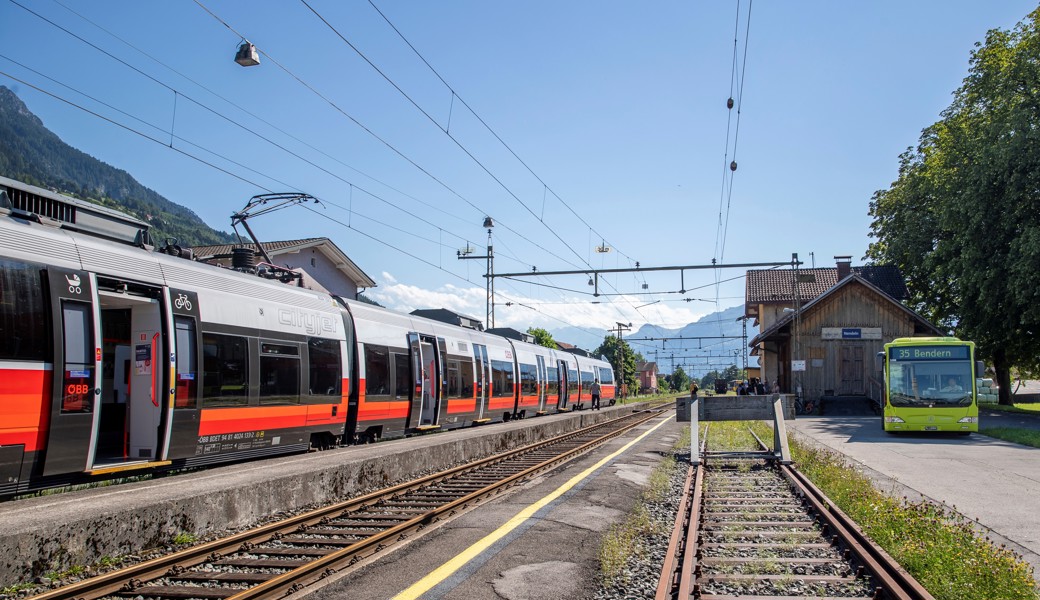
(962, 221)
(611, 350)
(542, 337)
(679, 380)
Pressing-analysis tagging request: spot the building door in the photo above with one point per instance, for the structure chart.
(851, 370)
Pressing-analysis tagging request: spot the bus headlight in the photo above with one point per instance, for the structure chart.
(894, 420)
(968, 420)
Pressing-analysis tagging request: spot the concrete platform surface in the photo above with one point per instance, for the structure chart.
(992, 481)
(553, 555)
(53, 533)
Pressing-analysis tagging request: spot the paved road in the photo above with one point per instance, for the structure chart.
(993, 481)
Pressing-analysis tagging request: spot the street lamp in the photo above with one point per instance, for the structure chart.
(247, 56)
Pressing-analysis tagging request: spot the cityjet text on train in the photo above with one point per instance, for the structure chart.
(313, 323)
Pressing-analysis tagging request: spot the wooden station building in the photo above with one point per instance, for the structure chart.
(821, 328)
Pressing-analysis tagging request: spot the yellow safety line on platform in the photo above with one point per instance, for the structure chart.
(449, 568)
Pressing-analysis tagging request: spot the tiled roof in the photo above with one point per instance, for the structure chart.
(646, 366)
(787, 318)
(766, 286)
(269, 246)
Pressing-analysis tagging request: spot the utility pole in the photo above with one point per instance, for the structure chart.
(490, 276)
(621, 327)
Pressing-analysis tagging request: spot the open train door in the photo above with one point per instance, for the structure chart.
(77, 366)
(564, 394)
(483, 378)
(543, 383)
(427, 376)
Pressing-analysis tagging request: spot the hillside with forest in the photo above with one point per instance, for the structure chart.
(32, 153)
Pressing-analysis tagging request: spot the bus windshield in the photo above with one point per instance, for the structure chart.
(930, 383)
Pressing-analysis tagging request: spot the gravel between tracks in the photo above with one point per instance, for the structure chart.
(639, 578)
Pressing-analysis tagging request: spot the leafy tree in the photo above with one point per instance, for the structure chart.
(611, 349)
(962, 219)
(542, 337)
(680, 380)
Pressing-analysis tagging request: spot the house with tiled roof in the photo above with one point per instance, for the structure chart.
(324, 266)
(647, 374)
(821, 328)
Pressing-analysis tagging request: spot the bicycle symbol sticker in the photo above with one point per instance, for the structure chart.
(182, 302)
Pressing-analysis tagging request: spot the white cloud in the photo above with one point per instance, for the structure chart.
(523, 312)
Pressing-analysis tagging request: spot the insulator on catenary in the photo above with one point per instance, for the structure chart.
(733, 166)
(729, 103)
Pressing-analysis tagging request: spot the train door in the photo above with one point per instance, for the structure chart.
(77, 378)
(136, 407)
(426, 368)
(564, 395)
(483, 374)
(542, 382)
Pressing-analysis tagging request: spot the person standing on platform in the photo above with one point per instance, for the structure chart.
(595, 394)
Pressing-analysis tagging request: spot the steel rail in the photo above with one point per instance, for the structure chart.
(897, 583)
(679, 577)
(172, 564)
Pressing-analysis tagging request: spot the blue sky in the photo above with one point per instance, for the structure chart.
(618, 109)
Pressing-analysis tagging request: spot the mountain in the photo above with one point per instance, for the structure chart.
(32, 153)
(696, 356)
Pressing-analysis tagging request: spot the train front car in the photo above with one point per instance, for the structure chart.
(930, 385)
(117, 358)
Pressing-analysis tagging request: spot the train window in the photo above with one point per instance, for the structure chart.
(325, 383)
(279, 374)
(225, 365)
(402, 382)
(587, 378)
(552, 380)
(528, 380)
(454, 380)
(78, 383)
(377, 371)
(187, 362)
(24, 333)
(572, 381)
(606, 376)
(466, 375)
(501, 378)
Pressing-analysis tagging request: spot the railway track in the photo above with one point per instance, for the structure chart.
(288, 556)
(753, 529)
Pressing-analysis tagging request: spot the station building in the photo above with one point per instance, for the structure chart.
(821, 328)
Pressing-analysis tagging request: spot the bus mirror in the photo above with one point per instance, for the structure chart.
(980, 369)
(879, 361)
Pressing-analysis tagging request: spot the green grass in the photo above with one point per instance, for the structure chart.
(942, 550)
(183, 539)
(1029, 408)
(1026, 437)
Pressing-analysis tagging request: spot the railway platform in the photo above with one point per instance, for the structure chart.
(990, 481)
(127, 518)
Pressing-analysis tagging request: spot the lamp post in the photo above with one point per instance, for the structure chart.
(490, 276)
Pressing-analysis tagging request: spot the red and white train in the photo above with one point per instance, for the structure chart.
(117, 357)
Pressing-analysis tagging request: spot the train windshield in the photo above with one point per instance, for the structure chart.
(930, 376)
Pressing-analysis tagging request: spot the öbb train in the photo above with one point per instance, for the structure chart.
(116, 357)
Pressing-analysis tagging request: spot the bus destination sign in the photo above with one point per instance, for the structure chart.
(919, 353)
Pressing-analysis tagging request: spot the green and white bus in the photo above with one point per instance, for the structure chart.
(930, 385)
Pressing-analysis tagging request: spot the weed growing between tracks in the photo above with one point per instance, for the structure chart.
(944, 551)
